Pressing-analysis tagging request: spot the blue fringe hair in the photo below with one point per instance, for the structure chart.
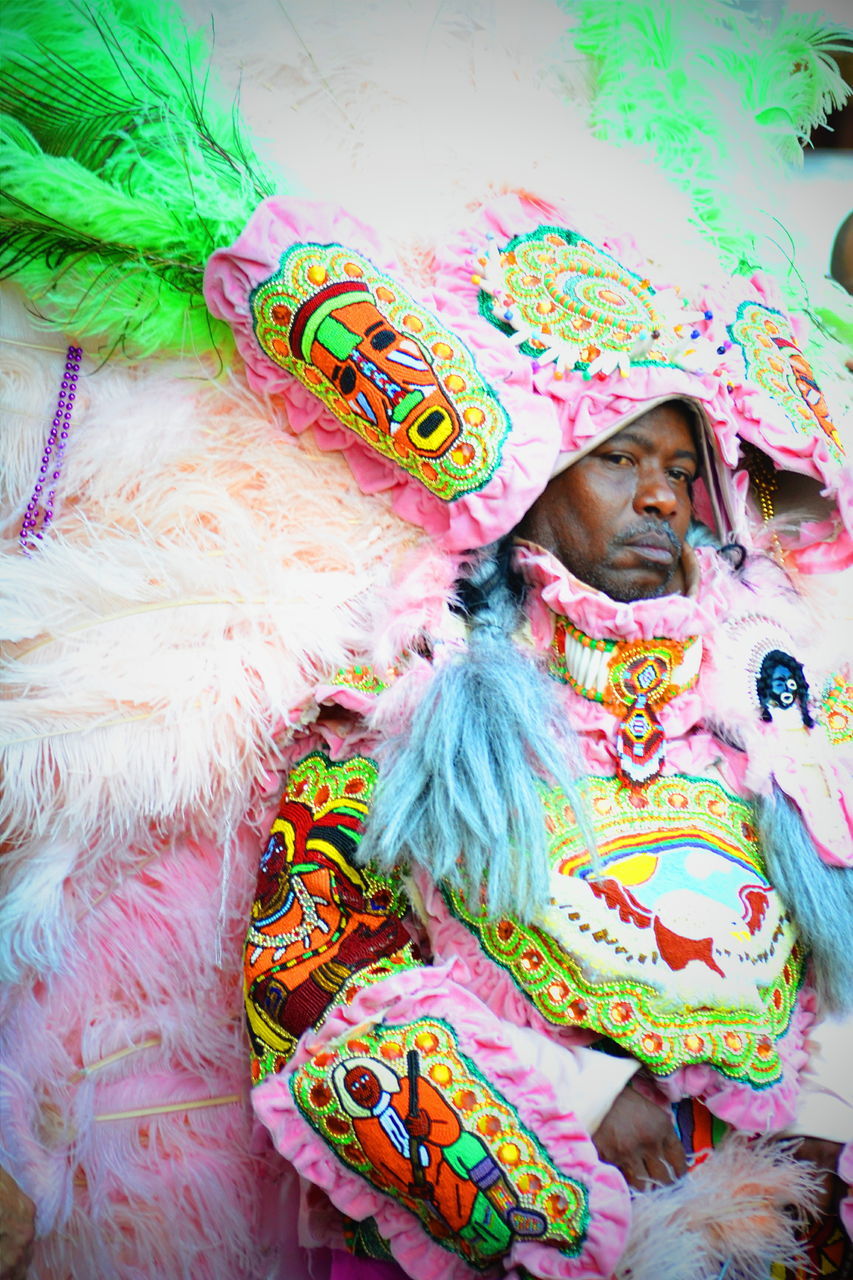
(818, 897)
(460, 794)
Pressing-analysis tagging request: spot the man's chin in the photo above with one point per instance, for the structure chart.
(628, 587)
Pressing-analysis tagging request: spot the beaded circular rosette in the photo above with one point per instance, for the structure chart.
(562, 290)
(674, 944)
(384, 365)
(773, 360)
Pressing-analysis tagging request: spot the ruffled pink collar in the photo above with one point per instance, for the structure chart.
(677, 617)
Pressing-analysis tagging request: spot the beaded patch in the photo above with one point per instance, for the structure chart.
(648, 946)
(363, 679)
(383, 365)
(632, 679)
(776, 363)
(836, 710)
(321, 928)
(564, 300)
(403, 1107)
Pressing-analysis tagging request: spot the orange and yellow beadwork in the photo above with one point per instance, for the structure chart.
(385, 366)
(566, 294)
(322, 929)
(633, 679)
(479, 1179)
(773, 359)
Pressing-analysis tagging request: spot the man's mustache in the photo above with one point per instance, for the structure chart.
(655, 527)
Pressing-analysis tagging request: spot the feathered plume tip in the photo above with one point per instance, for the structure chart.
(459, 793)
(720, 99)
(202, 572)
(119, 174)
(823, 896)
(735, 1214)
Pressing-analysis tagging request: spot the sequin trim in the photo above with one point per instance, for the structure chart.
(478, 1180)
(383, 365)
(836, 710)
(564, 300)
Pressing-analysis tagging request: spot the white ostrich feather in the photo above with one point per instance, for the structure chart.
(202, 571)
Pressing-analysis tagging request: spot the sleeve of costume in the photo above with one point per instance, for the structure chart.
(389, 1085)
(825, 1102)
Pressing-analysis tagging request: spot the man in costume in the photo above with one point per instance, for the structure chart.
(573, 856)
(613, 673)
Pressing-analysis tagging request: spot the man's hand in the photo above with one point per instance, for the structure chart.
(824, 1154)
(418, 1125)
(17, 1229)
(639, 1137)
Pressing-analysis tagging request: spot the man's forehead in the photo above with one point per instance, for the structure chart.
(647, 434)
(637, 419)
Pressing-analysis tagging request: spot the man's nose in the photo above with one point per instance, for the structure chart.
(654, 494)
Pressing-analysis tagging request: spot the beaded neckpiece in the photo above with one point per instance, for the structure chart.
(633, 679)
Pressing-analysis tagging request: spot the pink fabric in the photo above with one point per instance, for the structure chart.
(746, 1109)
(549, 415)
(590, 408)
(345, 1267)
(528, 455)
(723, 695)
(539, 1102)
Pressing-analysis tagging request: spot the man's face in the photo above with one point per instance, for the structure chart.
(363, 1087)
(618, 517)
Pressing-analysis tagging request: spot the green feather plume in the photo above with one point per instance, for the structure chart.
(721, 101)
(118, 173)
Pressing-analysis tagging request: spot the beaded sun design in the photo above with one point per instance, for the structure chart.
(564, 301)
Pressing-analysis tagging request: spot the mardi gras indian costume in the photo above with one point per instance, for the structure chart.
(526, 843)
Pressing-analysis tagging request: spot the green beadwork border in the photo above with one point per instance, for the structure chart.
(631, 1004)
(311, 1073)
(442, 477)
(837, 698)
(486, 303)
(740, 331)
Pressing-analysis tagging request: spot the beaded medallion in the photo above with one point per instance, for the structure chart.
(632, 679)
(674, 945)
(406, 1109)
(383, 365)
(775, 362)
(835, 710)
(321, 928)
(563, 299)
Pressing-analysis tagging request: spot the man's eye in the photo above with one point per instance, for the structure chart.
(618, 459)
(681, 477)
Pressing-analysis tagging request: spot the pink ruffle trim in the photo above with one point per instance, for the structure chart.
(747, 1109)
(527, 458)
(541, 1107)
(679, 617)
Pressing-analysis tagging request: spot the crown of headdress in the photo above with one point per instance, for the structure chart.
(533, 343)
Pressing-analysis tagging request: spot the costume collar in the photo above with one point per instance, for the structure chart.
(556, 591)
(633, 658)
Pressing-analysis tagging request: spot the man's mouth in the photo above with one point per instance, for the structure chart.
(656, 552)
(657, 546)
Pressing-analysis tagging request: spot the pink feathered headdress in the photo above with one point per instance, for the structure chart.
(531, 344)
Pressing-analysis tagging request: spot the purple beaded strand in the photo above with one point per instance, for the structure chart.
(40, 505)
